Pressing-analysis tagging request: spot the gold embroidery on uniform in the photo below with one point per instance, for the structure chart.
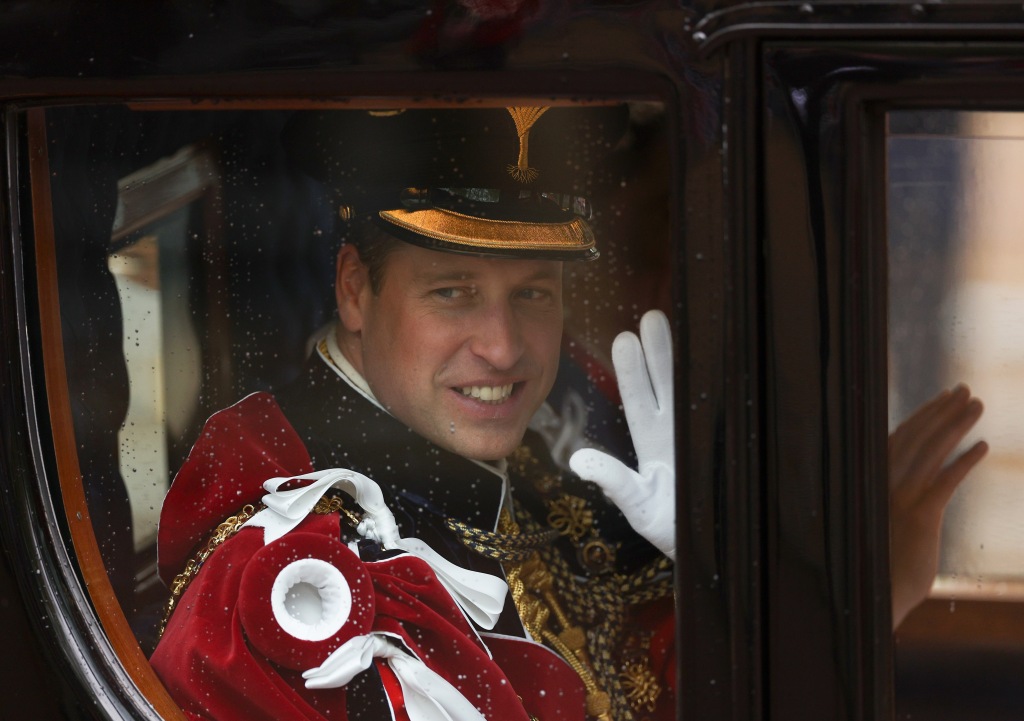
(532, 587)
(537, 604)
(570, 515)
(640, 684)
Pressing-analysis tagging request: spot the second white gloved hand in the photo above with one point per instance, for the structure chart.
(645, 496)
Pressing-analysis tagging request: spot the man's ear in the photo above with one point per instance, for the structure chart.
(351, 286)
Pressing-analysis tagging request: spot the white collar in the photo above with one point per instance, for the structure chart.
(332, 355)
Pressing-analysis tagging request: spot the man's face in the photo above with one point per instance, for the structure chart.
(462, 349)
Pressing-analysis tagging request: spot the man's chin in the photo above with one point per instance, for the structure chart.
(485, 449)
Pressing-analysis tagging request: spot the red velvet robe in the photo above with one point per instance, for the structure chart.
(223, 656)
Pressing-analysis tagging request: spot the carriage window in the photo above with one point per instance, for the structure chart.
(193, 256)
(956, 301)
(159, 208)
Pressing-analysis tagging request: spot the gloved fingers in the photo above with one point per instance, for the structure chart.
(634, 382)
(656, 338)
(643, 367)
(618, 481)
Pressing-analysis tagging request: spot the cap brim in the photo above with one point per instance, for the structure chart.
(448, 230)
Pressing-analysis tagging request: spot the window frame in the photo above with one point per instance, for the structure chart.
(825, 109)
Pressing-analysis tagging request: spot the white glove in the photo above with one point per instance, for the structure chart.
(647, 497)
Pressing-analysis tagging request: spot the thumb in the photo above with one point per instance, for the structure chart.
(613, 476)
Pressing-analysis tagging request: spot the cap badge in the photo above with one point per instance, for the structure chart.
(524, 119)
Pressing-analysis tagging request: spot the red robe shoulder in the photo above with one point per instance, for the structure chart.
(239, 448)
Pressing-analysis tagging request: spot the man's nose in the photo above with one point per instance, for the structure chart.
(498, 337)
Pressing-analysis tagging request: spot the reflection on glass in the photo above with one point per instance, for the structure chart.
(142, 439)
(157, 209)
(956, 263)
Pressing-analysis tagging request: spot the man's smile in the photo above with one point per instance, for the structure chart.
(488, 394)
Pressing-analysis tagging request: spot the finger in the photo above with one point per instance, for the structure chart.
(917, 469)
(938, 440)
(656, 338)
(614, 478)
(953, 474)
(930, 415)
(921, 415)
(940, 425)
(634, 383)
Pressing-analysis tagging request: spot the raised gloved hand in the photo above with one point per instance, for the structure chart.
(646, 496)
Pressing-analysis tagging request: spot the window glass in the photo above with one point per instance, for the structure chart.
(157, 213)
(956, 298)
(195, 258)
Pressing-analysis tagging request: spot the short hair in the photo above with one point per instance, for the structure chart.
(374, 246)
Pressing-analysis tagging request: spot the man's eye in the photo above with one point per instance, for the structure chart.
(450, 293)
(533, 294)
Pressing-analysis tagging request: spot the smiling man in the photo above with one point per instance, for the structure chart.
(462, 349)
